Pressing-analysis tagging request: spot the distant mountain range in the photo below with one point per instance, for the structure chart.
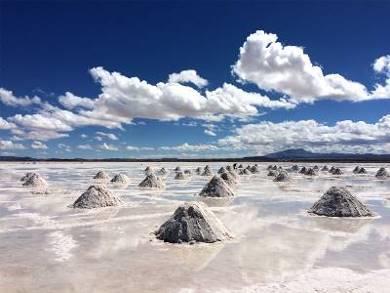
(286, 155)
(301, 154)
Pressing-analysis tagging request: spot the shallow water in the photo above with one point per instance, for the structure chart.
(46, 246)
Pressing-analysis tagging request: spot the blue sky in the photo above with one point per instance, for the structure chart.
(94, 79)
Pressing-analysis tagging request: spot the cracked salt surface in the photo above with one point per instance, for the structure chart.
(47, 246)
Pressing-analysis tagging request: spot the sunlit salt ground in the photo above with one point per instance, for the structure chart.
(47, 246)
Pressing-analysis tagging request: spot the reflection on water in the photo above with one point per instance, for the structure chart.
(47, 246)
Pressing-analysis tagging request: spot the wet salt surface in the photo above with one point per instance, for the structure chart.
(47, 246)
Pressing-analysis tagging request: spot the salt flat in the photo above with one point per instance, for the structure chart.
(47, 246)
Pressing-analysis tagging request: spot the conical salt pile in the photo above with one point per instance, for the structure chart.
(101, 175)
(229, 179)
(120, 179)
(162, 171)
(336, 171)
(206, 172)
(26, 176)
(221, 170)
(187, 172)
(295, 168)
(244, 172)
(152, 181)
(180, 176)
(216, 187)
(96, 196)
(193, 222)
(356, 170)
(325, 168)
(281, 177)
(362, 171)
(303, 170)
(339, 202)
(36, 181)
(198, 170)
(272, 173)
(229, 168)
(148, 170)
(382, 173)
(254, 169)
(177, 169)
(310, 172)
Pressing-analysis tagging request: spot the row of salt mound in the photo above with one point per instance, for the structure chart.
(194, 222)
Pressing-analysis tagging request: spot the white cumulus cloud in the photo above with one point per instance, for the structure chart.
(343, 136)
(10, 145)
(188, 76)
(8, 98)
(287, 69)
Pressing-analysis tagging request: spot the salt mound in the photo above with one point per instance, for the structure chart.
(193, 222)
(339, 202)
(27, 175)
(316, 168)
(244, 172)
(359, 170)
(177, 169)
(272, 173)
(36, 181)
(101, 175)
(216, 188)
(198, 170)
(362, 171)
(325, 168)
(206, 172)
(382, 173)
(303, 170)
(295, 168)
(310, 172)
(148, 170)
(96, 196)
(221, 170)
(229, 168)
(120, 179)
(229, 179)
(162, 171)
(281, 177)
(180, 176)
(336, 171)
(152, 181)
(234, 174)
(240, 166)
(254, 169)
(187, 172)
